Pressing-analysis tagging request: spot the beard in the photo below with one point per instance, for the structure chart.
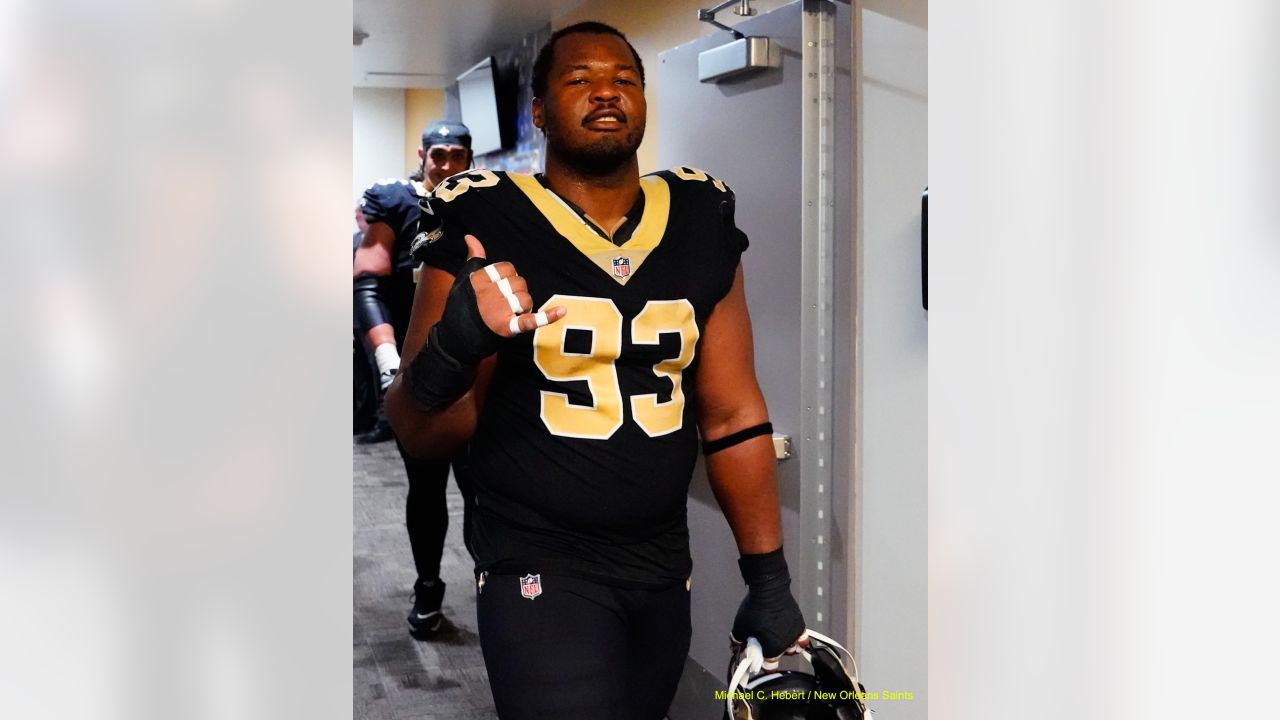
(599, 156)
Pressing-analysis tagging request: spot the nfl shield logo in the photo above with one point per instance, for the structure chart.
(622, 266)
(531, 586)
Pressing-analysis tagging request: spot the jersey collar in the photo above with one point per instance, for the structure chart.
(619, 261)
(625, 230)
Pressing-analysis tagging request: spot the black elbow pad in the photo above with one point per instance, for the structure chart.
(370, 311)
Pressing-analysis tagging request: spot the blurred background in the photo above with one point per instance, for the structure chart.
(175, 509)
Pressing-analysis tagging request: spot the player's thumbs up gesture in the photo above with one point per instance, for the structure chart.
(502, 296)
(487, 304)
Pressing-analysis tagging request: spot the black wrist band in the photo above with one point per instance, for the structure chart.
(765, 568)
(435, 379)
(728, 441)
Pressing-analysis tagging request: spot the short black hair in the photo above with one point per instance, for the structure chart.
(542, 65)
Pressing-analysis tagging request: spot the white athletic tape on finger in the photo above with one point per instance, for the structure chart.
(492, 272)
(539, 319)
(504, 285)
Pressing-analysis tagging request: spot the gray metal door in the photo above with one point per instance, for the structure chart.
(749, 134)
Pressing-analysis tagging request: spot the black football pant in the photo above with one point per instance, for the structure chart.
(426, 513)
(581, 650)
(365, 393)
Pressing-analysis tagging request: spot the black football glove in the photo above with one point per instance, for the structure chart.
(461, 332)
(768, 613)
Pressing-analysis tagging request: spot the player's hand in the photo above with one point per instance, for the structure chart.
(769, 613)
(387, 359)
(774, 619)
(385, 379)
(502, 296)
(487, 304)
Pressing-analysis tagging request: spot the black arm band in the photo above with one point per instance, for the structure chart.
(728, 441)
(370, 311)
(765, 570)
(435, 379)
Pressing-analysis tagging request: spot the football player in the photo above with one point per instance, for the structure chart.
(577, 331)
(383, 289)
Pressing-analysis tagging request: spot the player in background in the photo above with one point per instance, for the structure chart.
(383, 279)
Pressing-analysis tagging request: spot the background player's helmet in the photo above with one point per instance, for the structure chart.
(830, 692)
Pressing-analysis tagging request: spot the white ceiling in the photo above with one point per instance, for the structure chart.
(428, 43)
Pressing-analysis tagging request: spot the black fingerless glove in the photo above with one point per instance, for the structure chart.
(445, 369)
(768, 613)
(461, 332)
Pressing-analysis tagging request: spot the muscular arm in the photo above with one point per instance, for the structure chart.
(440, 433)
(728, 400)
(373, 257)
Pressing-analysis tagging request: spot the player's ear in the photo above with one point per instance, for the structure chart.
(471, 158)
(537, 112)
(420, 153)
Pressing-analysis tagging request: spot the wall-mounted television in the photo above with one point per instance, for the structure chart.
(488, 107)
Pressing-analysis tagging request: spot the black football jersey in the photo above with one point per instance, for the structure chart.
(584, 449)
(395, 203)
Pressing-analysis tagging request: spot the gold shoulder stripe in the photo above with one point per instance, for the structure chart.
(565, 221)
(657, 208)
(647, 236)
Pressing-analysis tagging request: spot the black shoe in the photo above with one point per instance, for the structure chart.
(381, 432)
(425, 617)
